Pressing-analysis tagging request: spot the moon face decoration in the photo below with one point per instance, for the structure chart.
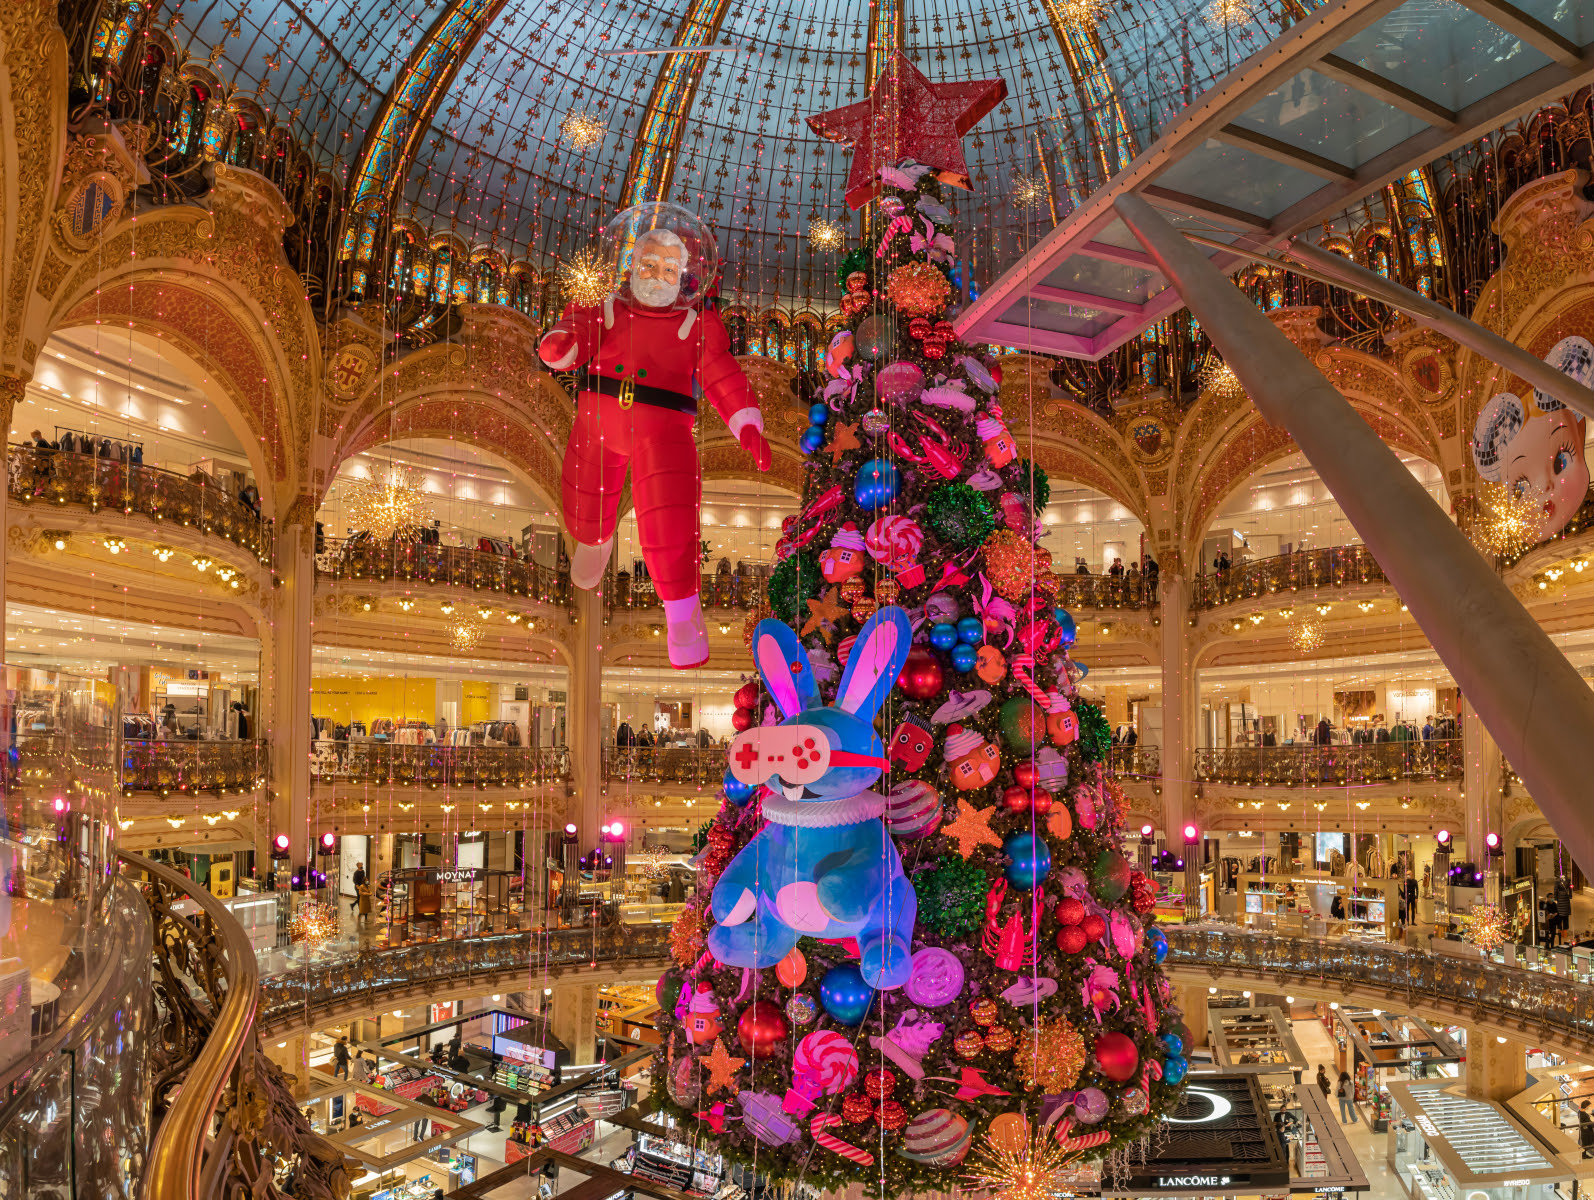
(1219, 1105)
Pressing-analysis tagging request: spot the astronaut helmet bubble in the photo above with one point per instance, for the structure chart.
(661, 255)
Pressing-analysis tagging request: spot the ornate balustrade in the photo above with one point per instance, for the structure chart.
(1308, 765)
(439, 766)
(62, 478)
(223, 1113)
(184, 766)
(1552, 1011)
(365, 559)
(744, 593)
(1334, 566)
(1105, 591)
(667, 764)
(371, 978)
(1136, 762)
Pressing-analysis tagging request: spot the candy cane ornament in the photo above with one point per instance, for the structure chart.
(1067, 1141)
(1020, 664)
(830, 1141)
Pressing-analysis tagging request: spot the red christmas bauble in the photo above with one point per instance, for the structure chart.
(1142, 893)
(879, 1083)
(1094, 927)
(746, 695)
(762, 1027)
(1117, 1056)
(856, 1108)
(742, 719)
(1071, 939)
(1016, 799)
(891, 1115)
(921, 674)
(1026, 774)
(996, 373)
(1070, 911)
(1041, 802)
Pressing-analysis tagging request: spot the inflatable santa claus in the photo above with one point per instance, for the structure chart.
(645, 353)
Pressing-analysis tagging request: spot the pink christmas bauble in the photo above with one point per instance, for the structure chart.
(828, 1059)
(746, 695)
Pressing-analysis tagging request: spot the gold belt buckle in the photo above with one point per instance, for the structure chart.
(627, 395)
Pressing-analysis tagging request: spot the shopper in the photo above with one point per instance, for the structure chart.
(360, 1070)
(1585, 1128)
(1563, 908)
(340, 1057)
(1347, 1099)
(1322, 1080)
(359, 882)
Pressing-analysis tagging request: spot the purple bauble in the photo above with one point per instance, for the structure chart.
(1090, 1106)
(937, 978)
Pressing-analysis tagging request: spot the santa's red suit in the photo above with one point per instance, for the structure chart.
(635, 409)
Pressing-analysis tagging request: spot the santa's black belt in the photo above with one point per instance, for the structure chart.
(629, 391)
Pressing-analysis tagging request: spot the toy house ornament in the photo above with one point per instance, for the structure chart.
(703, 1023)
(974, 762)
(910, 745)
(996, 438)
(845, 558)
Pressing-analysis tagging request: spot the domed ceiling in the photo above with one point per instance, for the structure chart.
(476, 138)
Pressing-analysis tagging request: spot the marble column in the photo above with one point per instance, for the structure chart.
(1482, 780)
(1178, 707)
(584, 715)
(12, 388)
(573, 1019)
(1193, 1003)
(286, 679)
(1496, 1070)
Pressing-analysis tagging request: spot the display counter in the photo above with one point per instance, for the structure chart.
(1385, 1048)
(1256, 1041)
(1445, 1146)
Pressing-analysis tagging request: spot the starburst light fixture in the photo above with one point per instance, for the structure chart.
(1308, 637)
(1029, 191)
(465, 635)
(1487, 927)
(1507, 521)
(1219, 378)
(582, 128)
(314, 921)
(1037, 1170)
(1080, 14)
(825, 234)
(584, 278)
(389, 504)
(1227, 12)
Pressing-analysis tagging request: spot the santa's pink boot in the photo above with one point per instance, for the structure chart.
(685, 633)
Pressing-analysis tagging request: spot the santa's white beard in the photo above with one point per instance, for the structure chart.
(655, 293)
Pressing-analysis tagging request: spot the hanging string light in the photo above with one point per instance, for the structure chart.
(1080, 14)
(825, 234)
(1308, 636)
(465, 634)
(582, 129)
(388, 505)
(1486, 926)
(1029, 191)
(584, 278)
(313, 922)
(1508, 523)
(1219, 378)
(1227, 12)
(1037, 1169)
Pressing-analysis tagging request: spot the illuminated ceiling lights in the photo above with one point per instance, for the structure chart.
(1507, 521)
(1080, 14)
(825, 234)
(584, 278)
(388, 505)
(1219, 378)
(1227, 12)
(582, 128)
(1029, 191)
(1308, 637)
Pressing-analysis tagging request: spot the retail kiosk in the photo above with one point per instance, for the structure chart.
(1304, 903)
(1220, 1140)
(1254, 1041)
(1384, 1047)
(1444, 1145)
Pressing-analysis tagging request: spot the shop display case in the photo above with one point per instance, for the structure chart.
(1446, 1146)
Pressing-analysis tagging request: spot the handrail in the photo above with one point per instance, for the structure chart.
(1330, 566)
(364, 559)
(436, 765)
(1136, 762)
(181, 765)
(664, 764)
(1075, 591)
(368, 978)
(623, 591)
(1554, 1011)
(1308, 765)
(68, 477)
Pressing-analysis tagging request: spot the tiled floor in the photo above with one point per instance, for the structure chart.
(1372, 1149)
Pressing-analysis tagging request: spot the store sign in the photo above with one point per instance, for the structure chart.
(1219, 1106)
(1427, 1126)
(1201, 1181)
(456, 875)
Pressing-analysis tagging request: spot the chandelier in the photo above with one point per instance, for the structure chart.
(1228, 12)
(585, 278)
(825, 234)
(1219, 378)
(388, 505)
(314, 922)
(1080, 14)
(1508, 522)
(582, 129)
(1308, 637)
(1487, 927)
(1029, 191)
(465, 635)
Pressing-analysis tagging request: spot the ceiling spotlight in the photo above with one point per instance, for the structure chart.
(161, 552)
(115, 545)
(202, 563)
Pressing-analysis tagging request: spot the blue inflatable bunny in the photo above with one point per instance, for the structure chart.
(824, 865)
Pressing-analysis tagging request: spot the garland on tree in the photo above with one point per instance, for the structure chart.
(1036, 1006)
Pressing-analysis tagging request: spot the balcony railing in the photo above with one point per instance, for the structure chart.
(1136, 762)
(1552, 1011)
(438, 766)
(184, 766)
(1308, 765)
(364, 559)
(669, 764)
(742, 593)
(310, 994)
(1105, 591)
(68, 479)
(1334, 566)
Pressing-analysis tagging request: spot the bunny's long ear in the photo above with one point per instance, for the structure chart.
(875, 662)
(783, 663)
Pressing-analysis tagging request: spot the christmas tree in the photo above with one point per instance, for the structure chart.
(1025, 1024)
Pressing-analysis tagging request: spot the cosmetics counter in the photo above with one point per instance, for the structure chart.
(1443, 1145)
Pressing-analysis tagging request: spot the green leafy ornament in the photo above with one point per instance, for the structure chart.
(1095, 734)
(960, 515)
(952, 897)
(793, 583)
(1040, 487)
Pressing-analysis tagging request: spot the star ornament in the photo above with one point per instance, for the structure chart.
(722, 1068)
(908, 117)
(822, 611)
(846, 439)
(972, 829)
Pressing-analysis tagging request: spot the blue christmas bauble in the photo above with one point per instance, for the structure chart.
(877, 483)
(943, 636)
(1159, 943)
(818, 414)
(1173, 1043)
(1032, 860)
(971, 630)
(845, 995)
(1065, 622)
(964, 656)
(813, 438)
(1173, 1070)
(737, 792)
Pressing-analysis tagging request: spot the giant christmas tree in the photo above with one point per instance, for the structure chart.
(995, 1004)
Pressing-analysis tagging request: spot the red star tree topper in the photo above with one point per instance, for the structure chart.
(907, 116)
